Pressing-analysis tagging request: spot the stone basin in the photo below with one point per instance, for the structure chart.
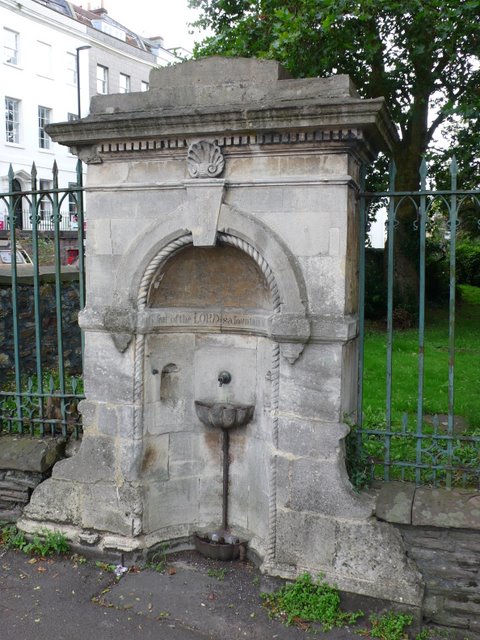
(223, 415)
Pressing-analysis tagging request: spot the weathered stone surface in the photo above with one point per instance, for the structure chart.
(439, 508)
(54, 501)
(395, 501)
(107, 372)
(323, 487)
(94, 462)
(303, 535)
(300, 437)
(228, 274)
(30, 454)
(374, 552)
(105, 507)
(172, 503)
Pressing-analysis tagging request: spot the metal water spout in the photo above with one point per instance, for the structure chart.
(225, 416)
(224, 377)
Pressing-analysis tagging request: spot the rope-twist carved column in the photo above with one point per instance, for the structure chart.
(272, 501)
(275, 380)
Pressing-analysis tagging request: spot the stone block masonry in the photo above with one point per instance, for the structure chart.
(223, 236)
(441, 532)
(24, 463)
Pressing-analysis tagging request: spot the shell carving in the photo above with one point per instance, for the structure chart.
(205, 160)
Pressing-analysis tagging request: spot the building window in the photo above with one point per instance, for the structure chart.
(73, 205)
(10, 47)
(102, 79)
(44, 118)
(124, 83)
(44, 59)
(72, 68)
(12, 120)
(45, 204)
(144, 86)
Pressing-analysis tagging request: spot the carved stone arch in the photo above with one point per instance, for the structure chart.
(291, 352)
(139, 259)
(183, 241)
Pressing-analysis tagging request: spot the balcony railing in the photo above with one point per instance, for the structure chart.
(67, 221)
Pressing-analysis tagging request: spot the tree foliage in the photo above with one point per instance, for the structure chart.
(422, 56)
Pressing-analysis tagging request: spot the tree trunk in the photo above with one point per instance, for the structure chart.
(408, 157)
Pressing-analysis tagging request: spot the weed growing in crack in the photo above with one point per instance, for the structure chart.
(308, 601)
(219, 574)
(390, 626)
(45, 543)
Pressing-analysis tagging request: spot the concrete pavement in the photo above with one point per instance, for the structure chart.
(64, 599)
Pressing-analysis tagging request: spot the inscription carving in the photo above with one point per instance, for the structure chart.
(210, 318)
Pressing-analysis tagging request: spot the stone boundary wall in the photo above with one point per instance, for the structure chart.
(441, 532)
(24, 463)
(71, 330)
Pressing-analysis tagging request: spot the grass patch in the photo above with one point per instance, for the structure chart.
(405, 363)
(306, 600)
(464, 455)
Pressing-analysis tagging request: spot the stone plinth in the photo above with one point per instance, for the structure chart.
(223, 236)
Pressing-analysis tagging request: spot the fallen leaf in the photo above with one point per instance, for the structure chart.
(171, 571)
(32, 561)
(41, 569)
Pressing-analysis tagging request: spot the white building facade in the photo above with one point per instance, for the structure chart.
(53, 60)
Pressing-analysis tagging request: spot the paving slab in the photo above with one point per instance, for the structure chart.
(217, 599)
(61, 599)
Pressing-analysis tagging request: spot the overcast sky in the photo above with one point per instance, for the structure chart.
(166, 18)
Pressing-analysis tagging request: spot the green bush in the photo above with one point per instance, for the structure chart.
(468, 262)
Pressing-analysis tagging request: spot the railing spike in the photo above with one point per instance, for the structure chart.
(34, 176)
(392, 174)
(11, 173)
(423, 169)
(454, 166)
(55, 174)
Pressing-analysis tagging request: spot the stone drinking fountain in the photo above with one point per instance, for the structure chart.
(221, 544)
(222, 237)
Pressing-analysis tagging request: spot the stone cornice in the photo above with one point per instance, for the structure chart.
(337, 119)
(233, 141)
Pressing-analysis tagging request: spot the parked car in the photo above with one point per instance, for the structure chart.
(6, 254)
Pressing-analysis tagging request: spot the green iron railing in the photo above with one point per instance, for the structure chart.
(42, 401)
(409, 444)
